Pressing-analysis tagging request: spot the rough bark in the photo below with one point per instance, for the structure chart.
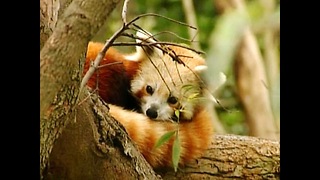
(61, 67)
(234, 157)
(50, 11)
(93, 146)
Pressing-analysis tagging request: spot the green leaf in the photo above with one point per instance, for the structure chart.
(177, 113)
(193, 96)
(176, 150)
(164, 138)
(187, 86)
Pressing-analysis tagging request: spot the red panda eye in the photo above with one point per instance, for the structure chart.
(149, 89)
(172, 100)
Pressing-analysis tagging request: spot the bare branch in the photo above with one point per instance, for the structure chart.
(157, 15)
(124, 11)
(100, 56)
(155, 45)
(176, 35)
(191, 19)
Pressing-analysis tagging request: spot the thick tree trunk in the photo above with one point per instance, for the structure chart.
(61, 65)
(94, 146)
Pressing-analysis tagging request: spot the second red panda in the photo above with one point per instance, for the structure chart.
(160, 88)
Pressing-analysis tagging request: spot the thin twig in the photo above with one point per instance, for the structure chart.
(190, 15)
(86, 97)
(155, 43)
(157, 15)
(110, 64)
(157, 70)
(176, 35)
(99, 57)
(124, 11)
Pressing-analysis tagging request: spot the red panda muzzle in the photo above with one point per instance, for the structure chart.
(152, 113)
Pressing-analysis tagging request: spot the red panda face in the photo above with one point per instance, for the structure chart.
(164, 86)
(155, 103)
(160, 103)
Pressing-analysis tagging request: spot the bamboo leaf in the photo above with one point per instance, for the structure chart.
(177, 113)
(187, 87)
(164, 138)
(176, 150)
(194, 95)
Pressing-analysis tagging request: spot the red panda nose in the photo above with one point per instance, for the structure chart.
(152, 113)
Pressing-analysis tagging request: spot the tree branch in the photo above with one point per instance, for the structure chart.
(234, 157)
(192, 20)
(99, 145)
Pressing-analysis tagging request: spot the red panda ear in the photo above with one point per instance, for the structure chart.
(200, 69)
(146, 37)
(218, 81)
(144, 52)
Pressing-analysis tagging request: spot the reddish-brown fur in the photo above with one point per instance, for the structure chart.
(195, 135)
(114, 81)
(113, 77)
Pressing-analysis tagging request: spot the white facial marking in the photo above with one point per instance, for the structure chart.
(159, 104)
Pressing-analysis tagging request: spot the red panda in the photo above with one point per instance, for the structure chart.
(161, 87)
